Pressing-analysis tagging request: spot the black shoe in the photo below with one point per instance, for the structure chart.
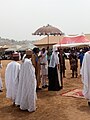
(43, 86)
(61, 87)
(88, 103)
(1, 91)
(38, 89)
(46, 86)
(17, 105)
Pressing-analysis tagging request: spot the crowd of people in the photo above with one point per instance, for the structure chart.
(36, 72)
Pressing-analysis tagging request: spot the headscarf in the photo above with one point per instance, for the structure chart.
(54, 58)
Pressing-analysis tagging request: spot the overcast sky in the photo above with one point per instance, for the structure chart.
(20, 18)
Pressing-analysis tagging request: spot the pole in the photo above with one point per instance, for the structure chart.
(48, 53)
(60, 60)
(48, 41)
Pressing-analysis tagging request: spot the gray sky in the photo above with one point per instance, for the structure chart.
(20, 18)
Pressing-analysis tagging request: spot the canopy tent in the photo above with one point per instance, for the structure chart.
(13, 48)
(73, 41)
(21, 47)
(26, 47)
(72, 45)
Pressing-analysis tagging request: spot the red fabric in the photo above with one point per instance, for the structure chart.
(74, 93)
(76, 39)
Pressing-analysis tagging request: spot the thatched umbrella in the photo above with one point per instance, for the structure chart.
(48, 30)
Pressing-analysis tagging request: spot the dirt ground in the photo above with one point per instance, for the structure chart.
(50, 104)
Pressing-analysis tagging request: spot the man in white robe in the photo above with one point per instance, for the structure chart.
(12, 78)
(44, 67)
(26, 94)
(85, 72)
(53, 72)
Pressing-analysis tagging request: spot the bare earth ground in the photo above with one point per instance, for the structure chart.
(50, 104)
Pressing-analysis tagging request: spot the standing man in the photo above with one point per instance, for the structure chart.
(26, 93)
(85, 72)
(44, 67)
(74, 66)
(54, 78)
(81, 55)
(12, 77)
(62, 62)
(36, 63)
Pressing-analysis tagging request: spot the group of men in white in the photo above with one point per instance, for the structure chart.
(21, 81)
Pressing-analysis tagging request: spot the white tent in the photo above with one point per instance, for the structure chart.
(26, 47)
(72, 45)
(13, 48)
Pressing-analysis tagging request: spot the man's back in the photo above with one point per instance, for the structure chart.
(26, 94)
(11, 79)
(85, 72)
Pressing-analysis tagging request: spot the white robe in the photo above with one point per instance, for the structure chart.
(12, 79)
(85, 72)
(26, 94)
(43, 60)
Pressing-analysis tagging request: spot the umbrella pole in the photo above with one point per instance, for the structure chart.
(48, 50)
(48, 41)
